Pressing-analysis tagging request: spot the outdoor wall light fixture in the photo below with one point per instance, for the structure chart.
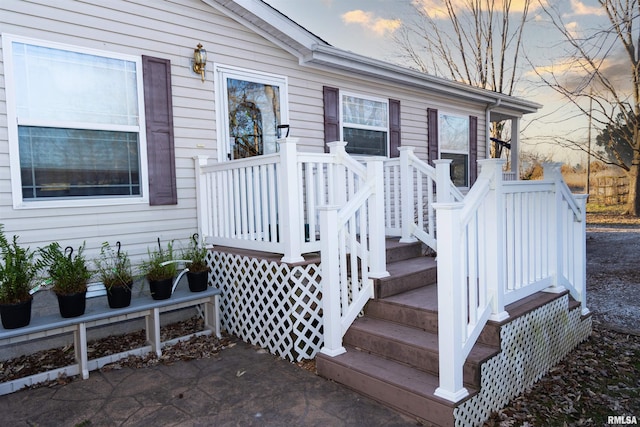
(280, 129)
(199, 60)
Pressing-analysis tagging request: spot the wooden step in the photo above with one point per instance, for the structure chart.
(417, 308)
(394, 384)
(397, 251)
(406, 275)
(415, 347)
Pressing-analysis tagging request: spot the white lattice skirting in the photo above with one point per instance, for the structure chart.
(531, 345)
(271, 305)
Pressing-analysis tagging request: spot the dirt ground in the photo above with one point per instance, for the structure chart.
(613, 276)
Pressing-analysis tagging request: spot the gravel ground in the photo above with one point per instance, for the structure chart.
(613, 277)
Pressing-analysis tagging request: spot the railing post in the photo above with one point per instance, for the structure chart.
(407, 187)
(580, 243)
(202, 197)
(443, 178)
(495, 246)
(377, 249)
(450, 301)
(289, 208)
(338, 194)
(552, 173)
(330, 282)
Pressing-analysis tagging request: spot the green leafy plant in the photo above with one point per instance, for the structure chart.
(114, 267)
(18, 271)
(68, 272)
(158, 266)
(197, 254)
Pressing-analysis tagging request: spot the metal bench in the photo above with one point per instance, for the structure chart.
(141, 306)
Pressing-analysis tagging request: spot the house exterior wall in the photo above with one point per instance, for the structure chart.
(171, 30)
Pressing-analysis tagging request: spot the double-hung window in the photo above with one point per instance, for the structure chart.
(454, 144)
(365, 125)
(76, 124)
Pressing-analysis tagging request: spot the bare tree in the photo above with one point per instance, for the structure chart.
(600, 76)
(478, 42)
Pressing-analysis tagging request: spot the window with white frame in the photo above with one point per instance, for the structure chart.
(453, 142)
(365, 125)
(78, 123)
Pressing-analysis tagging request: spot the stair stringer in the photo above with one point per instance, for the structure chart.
(530, 346)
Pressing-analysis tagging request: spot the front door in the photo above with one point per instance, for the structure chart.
(253, 105)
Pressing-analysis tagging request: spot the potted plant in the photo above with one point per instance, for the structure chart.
(18, 270)
(69, 274)
(114, 270)
(160, 269)
(198, 274)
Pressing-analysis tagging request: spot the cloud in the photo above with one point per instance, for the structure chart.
(559, 67)
(579, 8)
(437, 9)
(573, 28)
(368, 20)
(575, 73)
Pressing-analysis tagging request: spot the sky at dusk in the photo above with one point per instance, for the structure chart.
(368, 27)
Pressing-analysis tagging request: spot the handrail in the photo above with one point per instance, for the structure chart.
(484, 268)
(568, 197)
(425, 168)
(352, 253)
(420, 179)
(240, 163)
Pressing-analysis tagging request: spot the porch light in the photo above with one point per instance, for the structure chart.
(280, 129)
(199, 60)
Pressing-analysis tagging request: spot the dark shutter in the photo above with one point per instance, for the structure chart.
(432, 134)
(331, 96)
(473, 149)
(394, 128)
(158, 108)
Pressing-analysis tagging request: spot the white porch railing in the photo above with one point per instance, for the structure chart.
(411, 191)
(352, 255)
(293, 203)
(505, 241)
(269, 203)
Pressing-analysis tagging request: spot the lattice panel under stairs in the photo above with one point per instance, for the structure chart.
(531, 345)
(271, 305)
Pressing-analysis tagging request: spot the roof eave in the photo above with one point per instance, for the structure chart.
(328, 56)
(269, 23)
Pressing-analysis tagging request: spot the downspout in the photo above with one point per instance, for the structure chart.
(487, 125)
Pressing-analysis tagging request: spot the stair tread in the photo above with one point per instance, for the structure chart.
(416, 337)
(423, 298)
(397, 332)
(408, 266)
(389, 371)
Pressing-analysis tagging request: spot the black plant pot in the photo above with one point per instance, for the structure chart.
(198, 281)
(161, 289)
(119, 296)
(16, 315)
(72, 305)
